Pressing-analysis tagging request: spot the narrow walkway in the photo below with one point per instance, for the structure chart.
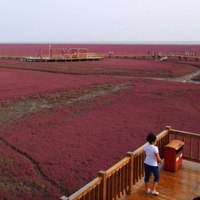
(184, 184)
(187, 77)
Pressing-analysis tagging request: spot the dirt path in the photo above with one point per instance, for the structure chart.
(185, 78)
(22, 107)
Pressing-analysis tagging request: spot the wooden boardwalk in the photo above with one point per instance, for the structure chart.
(27, 59)
(162, 57)
(184, 184)
(100, 56)
(47, 59)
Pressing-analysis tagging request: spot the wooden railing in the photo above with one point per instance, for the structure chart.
(192, 144)
(119, 179)
(92, 190)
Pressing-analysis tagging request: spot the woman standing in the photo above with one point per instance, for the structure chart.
(151, 164)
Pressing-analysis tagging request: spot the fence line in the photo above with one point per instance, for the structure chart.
(192, 144)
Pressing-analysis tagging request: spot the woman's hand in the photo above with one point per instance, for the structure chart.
(158, 158)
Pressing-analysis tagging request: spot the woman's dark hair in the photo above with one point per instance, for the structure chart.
(151, 138)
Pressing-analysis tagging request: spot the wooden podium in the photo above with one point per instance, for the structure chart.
(173, 155)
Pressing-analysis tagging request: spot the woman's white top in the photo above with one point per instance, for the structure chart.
(150, 151)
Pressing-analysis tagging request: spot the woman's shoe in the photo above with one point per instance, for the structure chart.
(154, 192)
(148, 191)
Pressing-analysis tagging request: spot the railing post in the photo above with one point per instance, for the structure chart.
(103, 175)
(199, 149)
(131, 172)
(64, 198)
(168, 128)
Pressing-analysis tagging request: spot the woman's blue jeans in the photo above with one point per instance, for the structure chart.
(151, 169)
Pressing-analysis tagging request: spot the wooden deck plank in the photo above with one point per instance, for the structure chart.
(184, 184)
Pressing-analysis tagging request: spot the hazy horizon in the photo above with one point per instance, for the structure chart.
(114, 42)
(100, 21)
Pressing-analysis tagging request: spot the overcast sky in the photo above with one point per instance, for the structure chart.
(99, 21)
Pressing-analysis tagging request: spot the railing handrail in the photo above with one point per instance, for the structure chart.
(117, 166)
(192, 140)
(89, 186)
(183, 133)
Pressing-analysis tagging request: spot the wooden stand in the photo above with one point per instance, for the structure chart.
(173, 155)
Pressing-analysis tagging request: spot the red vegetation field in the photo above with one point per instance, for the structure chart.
(19, 180)
(111, 67)
(84, 122)
(19, 83)
(73, 142)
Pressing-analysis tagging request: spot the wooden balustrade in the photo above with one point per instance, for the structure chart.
(192, 144)
(120, 178)
(110, 184)
(89, 192)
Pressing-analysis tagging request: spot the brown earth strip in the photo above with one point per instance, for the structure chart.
(22, 107)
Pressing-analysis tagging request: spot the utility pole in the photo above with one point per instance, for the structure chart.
(49, 51)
